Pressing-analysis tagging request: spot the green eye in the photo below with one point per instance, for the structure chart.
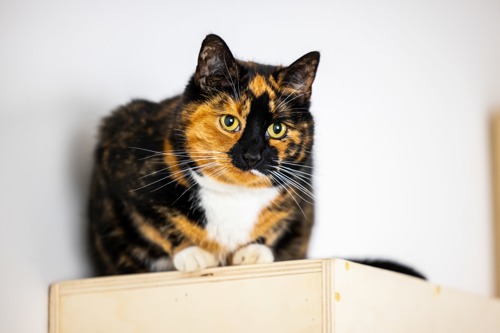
(277, 130)
(229, 123)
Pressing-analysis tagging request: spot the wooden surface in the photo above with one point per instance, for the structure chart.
(301, 296)
(495, 149)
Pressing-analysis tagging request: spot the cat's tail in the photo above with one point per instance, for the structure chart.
(391, 266)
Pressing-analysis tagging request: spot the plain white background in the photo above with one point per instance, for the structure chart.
(402, 101)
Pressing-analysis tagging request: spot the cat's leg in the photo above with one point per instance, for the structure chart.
(194, 258)
(253, 254)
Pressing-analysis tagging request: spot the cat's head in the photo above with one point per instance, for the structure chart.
(241, 122)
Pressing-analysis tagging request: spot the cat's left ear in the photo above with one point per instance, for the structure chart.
(217, 67)
(299, 76)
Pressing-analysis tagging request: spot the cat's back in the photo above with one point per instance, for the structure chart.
(138, 122)
(130, 142)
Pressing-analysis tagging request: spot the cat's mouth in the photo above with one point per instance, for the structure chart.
(229, 174)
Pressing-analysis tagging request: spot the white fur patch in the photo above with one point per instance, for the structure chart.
(253, 254)
(161, 265)
(231, 210)
(193, 259)
(257, 173)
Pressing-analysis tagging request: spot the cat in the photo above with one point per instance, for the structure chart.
(219, 175)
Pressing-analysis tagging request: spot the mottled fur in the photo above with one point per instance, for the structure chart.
(158, 165)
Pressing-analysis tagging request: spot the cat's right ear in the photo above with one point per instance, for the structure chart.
(217, 69)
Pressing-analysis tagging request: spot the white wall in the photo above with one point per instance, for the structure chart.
(401, 100)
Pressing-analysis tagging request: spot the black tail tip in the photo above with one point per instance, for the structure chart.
(391, 266)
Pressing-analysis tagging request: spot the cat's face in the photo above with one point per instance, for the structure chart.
(244, 122)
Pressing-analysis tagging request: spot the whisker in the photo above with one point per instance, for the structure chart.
(298, 186)
(196, 155)
(148, 150)
(300, 181)
(190, 187)
(176, 151)
(298, 171)
(284, 186)
(161, 179)
(296, 164)
(287, 101)
(306, 178)
(154, 173)
(294, 186)
(218, 172)
(230, 80)
(195, 168)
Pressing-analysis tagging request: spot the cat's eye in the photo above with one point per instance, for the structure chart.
(277, 130)
(229, 123)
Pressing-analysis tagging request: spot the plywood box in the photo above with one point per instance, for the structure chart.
(300, 296)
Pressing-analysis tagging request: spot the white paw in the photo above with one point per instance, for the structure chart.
(193, 259)
(253, 254)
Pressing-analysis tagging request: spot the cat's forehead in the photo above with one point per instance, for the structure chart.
(261, 78)
(261, 92)
(261, 84)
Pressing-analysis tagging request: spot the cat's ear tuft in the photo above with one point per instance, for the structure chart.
(299, 76)
(217, 67)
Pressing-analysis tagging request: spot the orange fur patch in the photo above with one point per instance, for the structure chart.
(154, 236)
(196, 235)
(269, 218)
(173, 164)
(259, 85)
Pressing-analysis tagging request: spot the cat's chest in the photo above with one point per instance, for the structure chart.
(231, 211)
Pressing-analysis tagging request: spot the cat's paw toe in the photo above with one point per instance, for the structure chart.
(253, 254)
(194, 259)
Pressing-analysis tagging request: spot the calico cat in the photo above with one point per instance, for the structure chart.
(220, 175)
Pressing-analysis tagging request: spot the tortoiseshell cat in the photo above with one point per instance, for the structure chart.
(218, 175)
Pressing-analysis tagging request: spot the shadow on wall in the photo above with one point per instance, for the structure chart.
(81, 146)
(495, 174)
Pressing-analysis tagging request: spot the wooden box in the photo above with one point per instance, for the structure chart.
(328, 295)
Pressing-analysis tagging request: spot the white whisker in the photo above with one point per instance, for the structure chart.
(285, 179)
(296, 164)
(298, 186)
(169, 176)
(284, 186)
(182, 171)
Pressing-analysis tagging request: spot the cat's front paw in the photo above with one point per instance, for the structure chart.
(193, 259)
(253, 254)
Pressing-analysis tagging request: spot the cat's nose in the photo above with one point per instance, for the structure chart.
(251, 158)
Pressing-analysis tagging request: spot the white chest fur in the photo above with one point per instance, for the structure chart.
(231, 211)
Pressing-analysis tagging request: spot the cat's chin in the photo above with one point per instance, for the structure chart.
(249, 178)
(257, 173)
